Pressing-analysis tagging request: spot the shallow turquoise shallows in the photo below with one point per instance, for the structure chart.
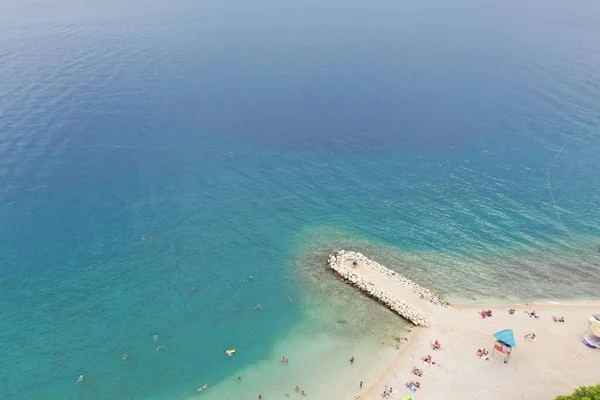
(152, 147)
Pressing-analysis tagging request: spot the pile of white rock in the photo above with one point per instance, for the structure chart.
(336, 262)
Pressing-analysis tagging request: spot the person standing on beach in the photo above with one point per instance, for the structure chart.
(360, 385)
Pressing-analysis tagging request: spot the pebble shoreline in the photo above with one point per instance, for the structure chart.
(335, 262)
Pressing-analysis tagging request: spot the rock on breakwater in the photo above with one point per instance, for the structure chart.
(342, 262)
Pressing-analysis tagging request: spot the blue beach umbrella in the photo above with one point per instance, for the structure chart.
(507, 337)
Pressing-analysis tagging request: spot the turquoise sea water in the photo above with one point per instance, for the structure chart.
(253, 139)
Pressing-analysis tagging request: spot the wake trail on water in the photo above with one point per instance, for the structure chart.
(200, 149)
(550, 187)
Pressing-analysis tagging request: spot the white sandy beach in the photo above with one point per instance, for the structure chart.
(554, 363)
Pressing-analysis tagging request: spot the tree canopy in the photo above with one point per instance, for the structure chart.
(583, 393)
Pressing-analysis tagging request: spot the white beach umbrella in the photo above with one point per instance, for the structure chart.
(595, 328)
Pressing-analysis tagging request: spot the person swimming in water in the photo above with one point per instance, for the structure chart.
(205, 386)
(80, 378)
(155, 337)
(192, 289)
(159, 347)
(258, 307)
(124, 358)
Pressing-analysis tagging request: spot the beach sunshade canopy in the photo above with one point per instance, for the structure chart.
(595, 328)
(407, 398)
(592, 341)
(507, 336)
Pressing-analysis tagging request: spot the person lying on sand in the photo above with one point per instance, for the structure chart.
(511, 311)
(428, 361)
(417, 371)
(411, 385)
(561, 319)
(483, 354)
(436, 345)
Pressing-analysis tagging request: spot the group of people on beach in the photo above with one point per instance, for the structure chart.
(532, 314)
(483, 354)
(485, 313)
(530, 336)
(413, 386)
(429, 361)
(387, 392)
(561, 319)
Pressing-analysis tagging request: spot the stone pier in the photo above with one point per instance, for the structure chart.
(399, 294)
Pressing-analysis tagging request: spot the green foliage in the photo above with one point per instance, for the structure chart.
(583, 393)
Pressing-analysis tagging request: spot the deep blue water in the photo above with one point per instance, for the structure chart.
(232, 131)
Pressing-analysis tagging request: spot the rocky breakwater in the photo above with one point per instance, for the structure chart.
(342, 262)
